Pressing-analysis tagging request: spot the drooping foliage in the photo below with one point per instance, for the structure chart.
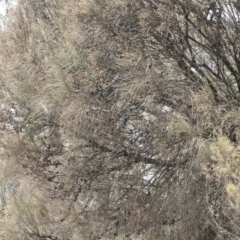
(120, 120)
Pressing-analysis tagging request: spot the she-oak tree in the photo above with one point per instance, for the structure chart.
(123, 115)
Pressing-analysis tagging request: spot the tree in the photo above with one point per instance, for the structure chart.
(120, 109)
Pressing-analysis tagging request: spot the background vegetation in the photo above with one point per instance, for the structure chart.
(120, 120)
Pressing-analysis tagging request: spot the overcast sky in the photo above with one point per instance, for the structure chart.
(3, 9)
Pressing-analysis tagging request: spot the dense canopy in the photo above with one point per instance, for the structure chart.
(120, 120)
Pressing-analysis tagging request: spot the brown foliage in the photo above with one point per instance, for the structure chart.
(113, 108)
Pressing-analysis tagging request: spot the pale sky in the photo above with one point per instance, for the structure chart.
(3, 9)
